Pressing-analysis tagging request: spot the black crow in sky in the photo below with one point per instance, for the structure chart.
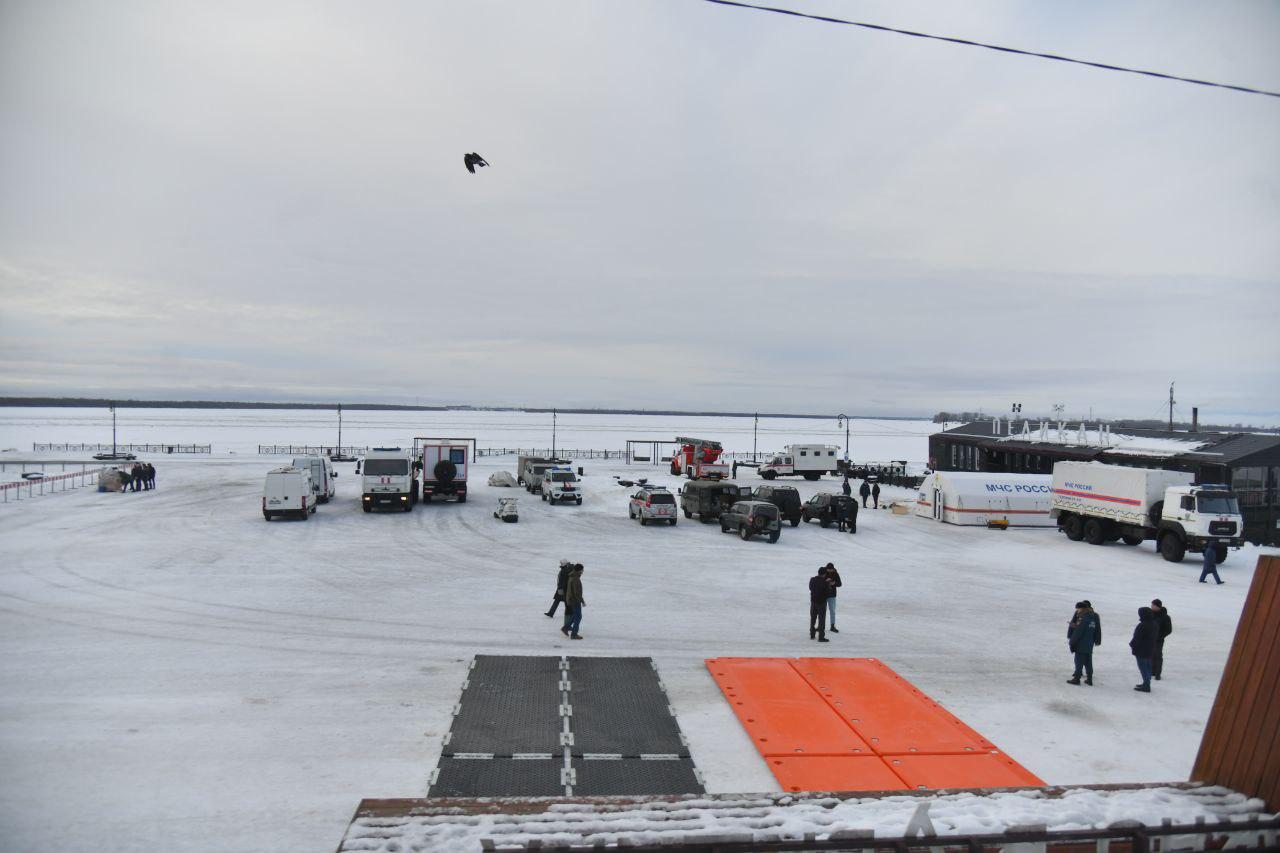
(472, 160)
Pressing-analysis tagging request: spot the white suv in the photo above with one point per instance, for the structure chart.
(561, 484)
(653, 503)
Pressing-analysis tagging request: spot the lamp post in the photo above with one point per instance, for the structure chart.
(843, 420)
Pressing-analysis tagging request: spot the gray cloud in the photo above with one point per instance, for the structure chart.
(688, 206)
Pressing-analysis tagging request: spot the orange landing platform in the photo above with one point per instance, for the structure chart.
(853, 724)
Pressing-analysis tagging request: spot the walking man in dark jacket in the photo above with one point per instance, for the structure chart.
(1165, 625)
(137, 477)
(573, 602)
(875, 495)
(151, 476)
(1143, 645)
(846, 488)
(819, 591)
(865, 491)
(834, 582)
(1083, 633)
(561, 579)
(1210, 564)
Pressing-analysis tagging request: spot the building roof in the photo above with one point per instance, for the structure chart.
(1220, 448)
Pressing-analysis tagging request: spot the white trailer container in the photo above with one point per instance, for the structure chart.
(976, 498)
(1107, 503)
(288, 491)
(322, 476)
(810, 461)
(444, 470)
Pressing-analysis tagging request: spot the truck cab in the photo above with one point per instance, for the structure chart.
(698, 459)
(561, 484)
(388, 478)
(1204, 515)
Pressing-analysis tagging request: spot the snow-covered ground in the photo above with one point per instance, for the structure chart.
(179, 674)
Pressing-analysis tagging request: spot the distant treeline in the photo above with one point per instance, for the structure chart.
(101, 403)
(1124, 423)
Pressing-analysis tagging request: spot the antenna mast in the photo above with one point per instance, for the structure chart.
(1171, 407)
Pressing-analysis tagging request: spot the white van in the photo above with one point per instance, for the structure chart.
(322, 475)
(288, 491)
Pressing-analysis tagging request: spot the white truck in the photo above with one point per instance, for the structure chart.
(388, 478)
(322, 476)
(444, 470)
(1105, 503)
(810, 461)
(561, 484)
(288, 491)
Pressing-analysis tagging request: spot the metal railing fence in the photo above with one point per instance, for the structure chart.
(49, 485)
(128, 448)
(310, 450)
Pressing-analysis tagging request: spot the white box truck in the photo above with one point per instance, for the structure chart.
(810, 461)
(288, 491)
(444, 470)
(388, 478)
(322, 476)
(529, 471)
(1105, 503)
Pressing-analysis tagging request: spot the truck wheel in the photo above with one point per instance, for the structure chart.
(544, 497)
(673, 522)
(631, 513)
(773, 537)
(1073, 527)
(1131, 539)
(824, 521)
(688, 514)
(795, 522)
(408, 506)
(769, 475)
(1093, 532)
(743, 533)
(811, 475)
(266, 516)
(1220, 553)
(579, 501)
(368, 508)
(306, 516)
(644, 522)
(1172, 548)
(462, 498)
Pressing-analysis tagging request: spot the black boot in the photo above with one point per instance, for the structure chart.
(1088, 680)
(1075, 679)
(834, 628)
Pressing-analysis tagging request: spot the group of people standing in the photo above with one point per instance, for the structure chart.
(1084, 632)
(865, 491)
(141, 477)
(569, 591)
(822, 600)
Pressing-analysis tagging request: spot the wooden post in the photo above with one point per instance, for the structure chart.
(1241, 744)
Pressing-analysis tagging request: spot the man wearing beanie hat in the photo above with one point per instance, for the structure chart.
(1084, 632)
(1165, 625)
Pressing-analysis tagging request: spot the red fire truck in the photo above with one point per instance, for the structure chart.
(698, 459)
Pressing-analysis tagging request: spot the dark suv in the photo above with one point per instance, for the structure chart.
(709, 498)
(750, 518)
(827, 508)
(785, 498)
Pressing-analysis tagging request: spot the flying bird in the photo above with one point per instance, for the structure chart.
(472, 160)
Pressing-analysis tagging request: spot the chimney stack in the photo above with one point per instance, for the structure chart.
(1195, 419)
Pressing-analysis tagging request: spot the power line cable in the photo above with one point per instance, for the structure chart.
(1104, 66)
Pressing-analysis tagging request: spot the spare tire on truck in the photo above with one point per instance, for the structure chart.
(445, 471)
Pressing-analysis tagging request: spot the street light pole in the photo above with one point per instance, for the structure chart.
(553, 433)
(113, 430)
(843, 420)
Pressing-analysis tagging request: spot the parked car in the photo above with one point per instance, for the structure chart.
(560, 484)
(752, 517)
(708, 498)
(824, 506)
(785, 498)
(322, 476)
(507, 510)
(653, 503)
(288, 491)
(33, 475)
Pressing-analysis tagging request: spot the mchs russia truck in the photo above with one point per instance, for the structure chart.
(1105, 503)
(810, 461)
(388, 478)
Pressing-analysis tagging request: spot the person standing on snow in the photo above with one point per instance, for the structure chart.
(125, 479)
(573, 603)
(1165, 625)
(1143, 645)
(846, 488)
(819, 591)
(561, 579)
(151, 476)
(833, 580)
(865, 491)
(875, 495)
(1083, 633)
(1210, 564)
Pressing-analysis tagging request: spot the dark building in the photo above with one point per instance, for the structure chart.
(1249, 462)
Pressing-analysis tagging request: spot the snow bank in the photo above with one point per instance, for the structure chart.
(761, 818)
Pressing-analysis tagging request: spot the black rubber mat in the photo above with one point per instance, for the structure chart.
(634, 776)
(499, 777)
(510, 705)
(619, 707)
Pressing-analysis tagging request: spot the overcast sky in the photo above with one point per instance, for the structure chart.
(689, 205)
